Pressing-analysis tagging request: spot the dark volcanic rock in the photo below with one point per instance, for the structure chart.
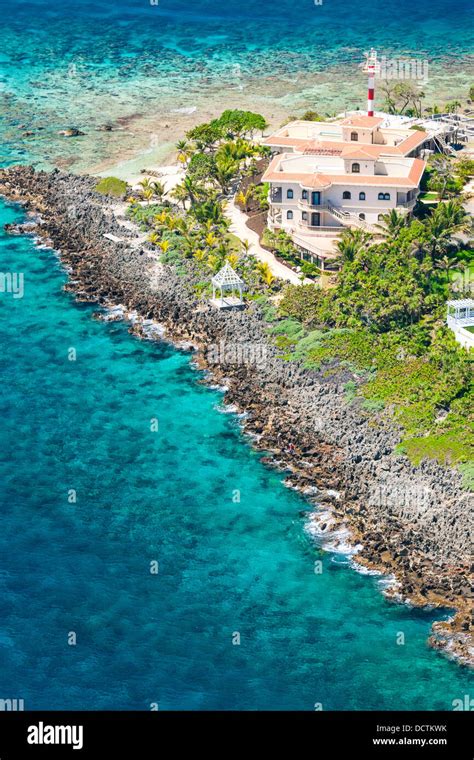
(414, 522)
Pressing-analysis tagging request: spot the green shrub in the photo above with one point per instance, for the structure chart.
(112, 186)
(373, 405)
(351, 390)
(467, 471)
(291, 328)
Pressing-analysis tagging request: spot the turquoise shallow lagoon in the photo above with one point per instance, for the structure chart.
(167, 496)
(137, 66)
(225, 567)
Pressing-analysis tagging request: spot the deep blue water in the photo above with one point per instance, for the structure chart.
(167, 496)
(225, 567)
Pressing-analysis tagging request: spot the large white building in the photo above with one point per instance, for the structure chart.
(327, 176)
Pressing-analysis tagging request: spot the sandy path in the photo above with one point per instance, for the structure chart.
(239, 227)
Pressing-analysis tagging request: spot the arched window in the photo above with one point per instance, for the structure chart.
(289, 193)
(380, 218)
(355, 168)
(362, 216)
(304, 216)
(346, 195)
(304, 195)
(362, 196)
(386, 197)
(289, 214)
(381, 196)
(354, 136)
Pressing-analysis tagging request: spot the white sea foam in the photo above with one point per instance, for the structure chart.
(317, 520)
(339, 544)
(363, 570)
(152, 329)
(217, 387)
(227, 409)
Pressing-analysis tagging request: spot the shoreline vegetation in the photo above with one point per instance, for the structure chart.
(302, 402)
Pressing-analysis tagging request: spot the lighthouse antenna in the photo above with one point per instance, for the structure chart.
(371, 68)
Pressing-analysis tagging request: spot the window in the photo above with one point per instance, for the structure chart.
(355, 168)
(354, 136)
(381, 196)
(362, 196)
(304, 216)
(289, 214)
(304, 195)
(386, 197)
(346, 195)
(362, 216)
(380, 218)
(289, 193)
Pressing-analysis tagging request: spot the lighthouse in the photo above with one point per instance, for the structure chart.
(370, 67)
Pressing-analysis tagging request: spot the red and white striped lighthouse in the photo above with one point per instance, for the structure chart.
(370, 67)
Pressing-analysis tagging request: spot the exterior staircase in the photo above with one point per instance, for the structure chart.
(350, 220)
(443, 146)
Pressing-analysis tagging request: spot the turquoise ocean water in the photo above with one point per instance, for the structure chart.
(225, 567)
(167, 496)
(141, 67)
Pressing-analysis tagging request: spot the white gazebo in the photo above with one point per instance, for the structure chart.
(227, 280)
(459, 318)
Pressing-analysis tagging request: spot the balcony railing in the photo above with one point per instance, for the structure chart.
(460, 321)
(275, 196)
(306, 205)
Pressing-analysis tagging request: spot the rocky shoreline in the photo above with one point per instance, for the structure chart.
(413, 523)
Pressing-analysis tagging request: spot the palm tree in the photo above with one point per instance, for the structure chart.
(351, 243)
(145, 183)
(244, 197)
(446, 264)
(263, 268)
(185, 151)
(192, 189)
(245, 246)
(442, 172)
(445, 221)
(453, 106)
(393, 222)
(158, 189)
(180, 194)
(211, 211)
(147, 194)
(226, 170)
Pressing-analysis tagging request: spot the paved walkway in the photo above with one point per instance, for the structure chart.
(238, 227)
(469, 205)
